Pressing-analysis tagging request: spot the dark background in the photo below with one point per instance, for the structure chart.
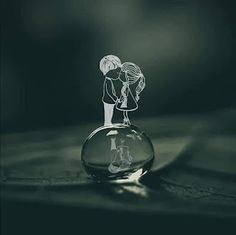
(51, 50)
(50, 78)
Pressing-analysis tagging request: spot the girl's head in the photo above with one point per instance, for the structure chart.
(131, 74)
(109, 62)
(131, 71)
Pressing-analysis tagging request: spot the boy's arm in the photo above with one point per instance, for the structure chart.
(109, 92)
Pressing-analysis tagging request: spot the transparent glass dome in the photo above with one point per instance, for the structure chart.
(117, 152)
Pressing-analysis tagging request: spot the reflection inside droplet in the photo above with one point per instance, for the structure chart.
(117, 152)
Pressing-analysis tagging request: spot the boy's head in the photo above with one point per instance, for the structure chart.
(109, 62)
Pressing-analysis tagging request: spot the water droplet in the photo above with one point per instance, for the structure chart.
(117, 152)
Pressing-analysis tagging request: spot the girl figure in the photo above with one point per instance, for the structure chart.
(129, 75)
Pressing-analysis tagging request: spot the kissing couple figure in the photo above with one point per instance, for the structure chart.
(128, 74)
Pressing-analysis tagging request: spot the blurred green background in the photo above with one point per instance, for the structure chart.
(51, 50)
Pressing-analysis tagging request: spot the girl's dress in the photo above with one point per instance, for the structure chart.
(128, 101)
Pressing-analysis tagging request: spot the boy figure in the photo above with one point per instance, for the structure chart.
(110, 66)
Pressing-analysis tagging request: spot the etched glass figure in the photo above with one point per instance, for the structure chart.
(110, 66)
(130, 75)
(120, 150)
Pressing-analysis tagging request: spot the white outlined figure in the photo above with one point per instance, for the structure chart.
(121, 158)
(110, 66)
(129, 75)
